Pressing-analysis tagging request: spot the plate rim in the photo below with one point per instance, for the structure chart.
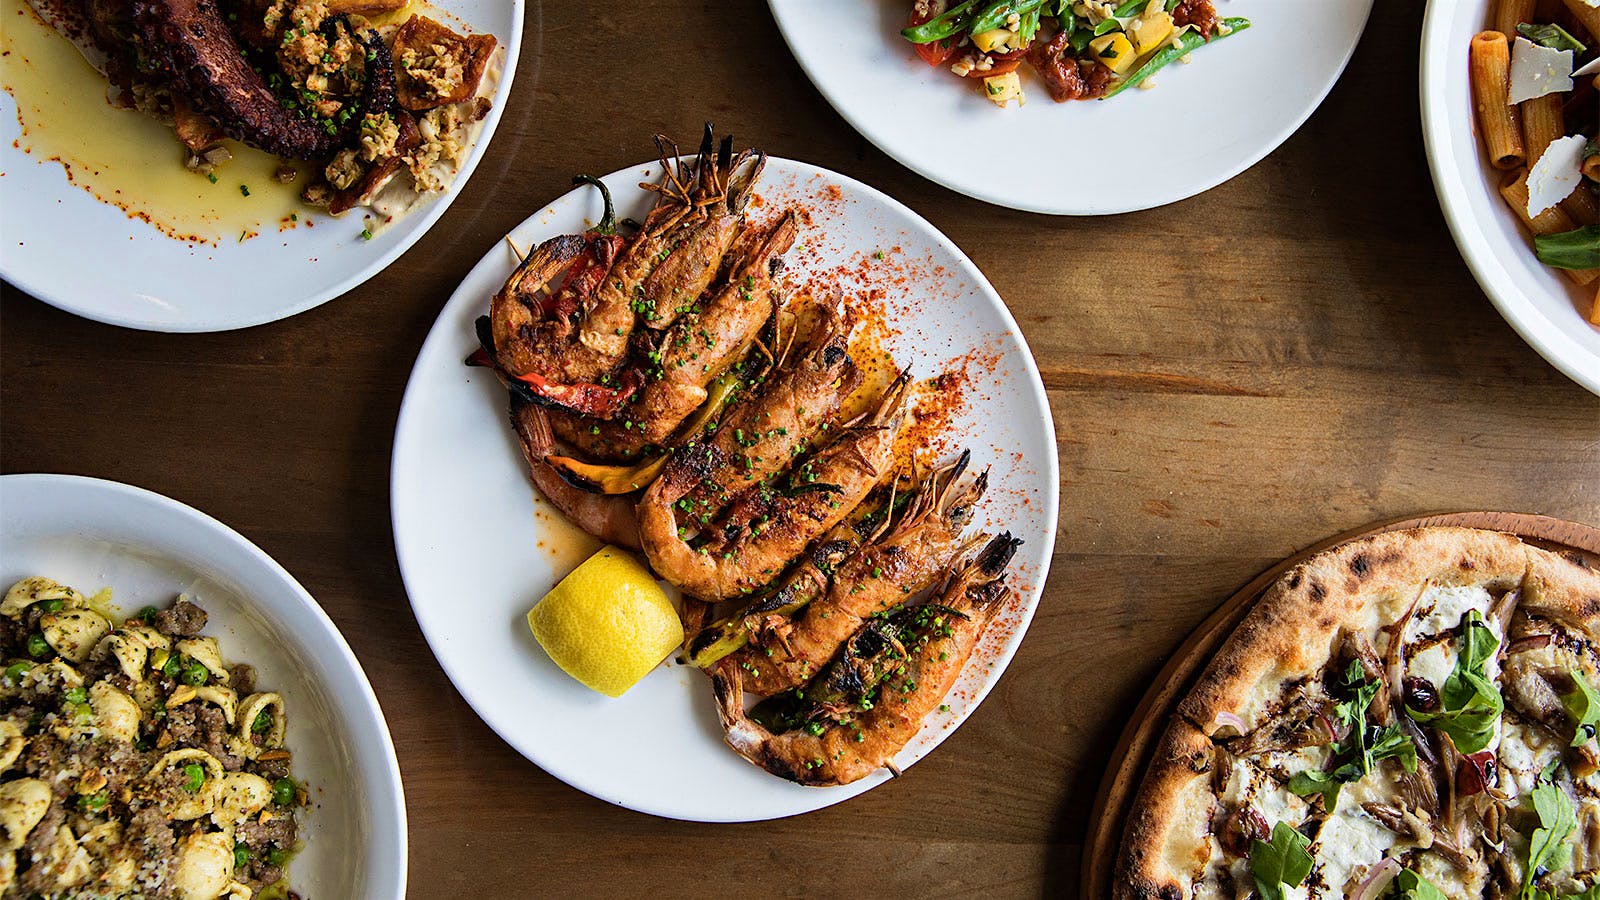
(429, 217)
(1050, 478)
(1072, 209)
(56, 481)
(1547, 338)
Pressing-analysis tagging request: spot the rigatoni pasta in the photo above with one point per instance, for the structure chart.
(1539, 126)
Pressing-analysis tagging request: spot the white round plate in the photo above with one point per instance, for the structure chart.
(138, 277)
(1543, 305)
(148, 549)
(1201, 125)
(478, 547)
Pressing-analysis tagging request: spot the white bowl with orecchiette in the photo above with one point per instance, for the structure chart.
(310, 694)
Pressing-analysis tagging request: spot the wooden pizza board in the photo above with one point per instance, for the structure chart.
(1132, 752)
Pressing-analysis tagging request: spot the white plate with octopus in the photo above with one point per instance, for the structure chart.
(478, 545)
(177, 250)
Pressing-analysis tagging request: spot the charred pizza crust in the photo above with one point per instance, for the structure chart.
(1291, 635)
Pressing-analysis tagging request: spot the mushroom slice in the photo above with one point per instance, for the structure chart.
(183, 803)
(33, 590)
(250, 723)
(242, 795)
(116, 715)
(203, 650)
(22, 804)
(73, 632)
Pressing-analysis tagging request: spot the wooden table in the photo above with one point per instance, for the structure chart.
(1315, 358)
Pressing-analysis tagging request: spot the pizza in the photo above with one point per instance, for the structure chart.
(1410, 715)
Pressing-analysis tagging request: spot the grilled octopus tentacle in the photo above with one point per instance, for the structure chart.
(210, 72)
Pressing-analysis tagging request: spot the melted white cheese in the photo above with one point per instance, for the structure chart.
(1434, 664)
(1524, 752)
(1349, 843)
(1441, 609)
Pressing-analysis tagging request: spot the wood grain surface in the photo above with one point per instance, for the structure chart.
(1130, 757)
(1294, 354)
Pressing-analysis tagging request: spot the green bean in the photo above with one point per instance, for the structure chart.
(952, 21)
(1187, 44)
(996, 15)
(1029, 26)
(1106, 27)
(1131, 7)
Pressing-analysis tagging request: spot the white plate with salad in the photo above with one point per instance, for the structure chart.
(218, 237)
(1178, 95)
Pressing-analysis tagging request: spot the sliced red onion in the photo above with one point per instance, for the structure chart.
(1227, 720)
(1377, 879)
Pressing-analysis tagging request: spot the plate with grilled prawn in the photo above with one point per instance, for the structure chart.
(794, 400)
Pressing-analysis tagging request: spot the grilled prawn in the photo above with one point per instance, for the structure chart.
(873, 704)
(563, 321)
(768, 526)
(903, 563)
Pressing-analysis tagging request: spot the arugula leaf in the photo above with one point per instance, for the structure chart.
(1359, 756)
(1584, 704)
(1553, 36)
(1575, 249)
(1557, 820)
(1414, 887)
(1285, 860)
(1469, 702)
(1316, 781)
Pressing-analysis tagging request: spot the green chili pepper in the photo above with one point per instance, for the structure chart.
(284, 791)
(952, 21)
(194, 776)
(1187, 44)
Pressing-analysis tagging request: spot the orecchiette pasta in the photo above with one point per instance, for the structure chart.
(104, 724)
(204, 651)
(74, 632)
(191, 804)
(115, 713)
(33, 590)
(22, 804)
(205, 866)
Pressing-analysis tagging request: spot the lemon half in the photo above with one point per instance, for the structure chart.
(608, 623)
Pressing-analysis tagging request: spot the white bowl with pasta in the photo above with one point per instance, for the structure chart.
(1543, 305)
(148, 549)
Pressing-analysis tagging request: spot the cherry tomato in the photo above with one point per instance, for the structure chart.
(936, 53)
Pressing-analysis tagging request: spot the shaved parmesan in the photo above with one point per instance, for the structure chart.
(1589, 68)
(1557, 173)
(1537, 70)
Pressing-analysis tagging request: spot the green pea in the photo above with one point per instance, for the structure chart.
(15, 671)
(262, 723)
(83, 712)
(194, 777)
(284, 791)
(77, 695)
(37, 645)
(96, 801)
(275, 857)
(195, 674)
(241, 856)
(52, 605)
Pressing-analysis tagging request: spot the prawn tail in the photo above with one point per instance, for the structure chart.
(738, 729)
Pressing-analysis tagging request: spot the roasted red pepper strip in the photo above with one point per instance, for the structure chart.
(1475, 773)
